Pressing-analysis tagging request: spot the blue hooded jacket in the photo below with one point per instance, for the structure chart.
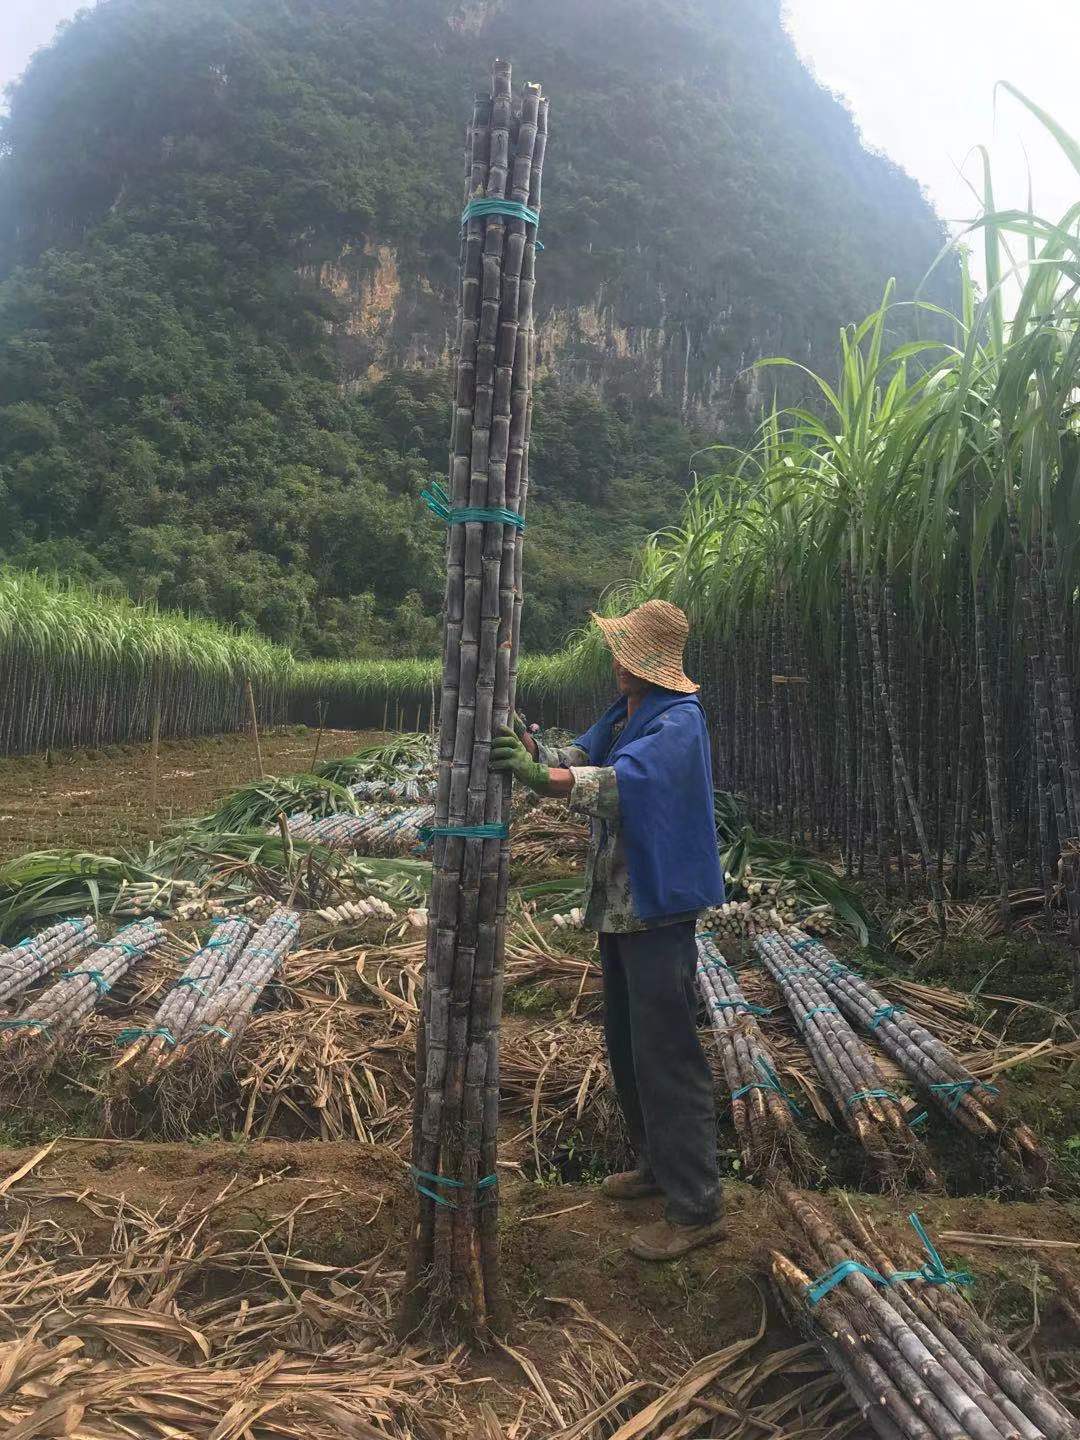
(663, 769)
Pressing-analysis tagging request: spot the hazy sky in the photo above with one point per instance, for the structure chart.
(919, 77)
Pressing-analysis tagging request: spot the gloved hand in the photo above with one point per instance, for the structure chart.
(522, 731)
(509, 755)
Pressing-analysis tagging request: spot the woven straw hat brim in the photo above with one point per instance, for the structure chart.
(644, 643)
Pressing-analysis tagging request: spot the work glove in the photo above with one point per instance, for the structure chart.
(509, 756)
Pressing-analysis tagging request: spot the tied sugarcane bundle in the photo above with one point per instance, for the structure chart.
(225, 1013)
(453, 1263)
(873, 1114)
(762, 1112)
(64, 1005)
(202, 978)
(925, 1059)
(374, 832)
(411, 788)
(40, 955)
(911, 1351)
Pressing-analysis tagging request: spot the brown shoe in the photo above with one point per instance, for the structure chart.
(630, 1185)
(664, 1241)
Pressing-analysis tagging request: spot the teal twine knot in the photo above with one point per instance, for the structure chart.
(513, 209)
(953, 1091)
(861, 1095)
(192, 982)
(428, 833)
(837, 971)
(741, 1005)
(885, 1012)
(819, 1288)
(821, 1010)
(134, 1032)
(796, 970)
(420, 1175)
(438, 502)
(103, 985)
(799, 945)
(23, 1024)
(933, 1272)
(770, 1082)
(214, 1030)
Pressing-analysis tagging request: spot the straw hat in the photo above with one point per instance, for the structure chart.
(649, 642)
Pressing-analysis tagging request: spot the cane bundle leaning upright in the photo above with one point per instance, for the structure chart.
(453, 1269)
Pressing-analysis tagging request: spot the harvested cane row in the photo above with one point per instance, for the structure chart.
(27, 962)
(64, 1005)
(873, 1114)
(761, 1111)
(926, 1060)
(374, 832)
(914, 1356)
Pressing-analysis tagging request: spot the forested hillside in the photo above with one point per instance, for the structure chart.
(227, 259)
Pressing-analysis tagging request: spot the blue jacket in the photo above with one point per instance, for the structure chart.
(663, 769)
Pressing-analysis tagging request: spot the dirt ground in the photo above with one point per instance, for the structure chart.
(100, 799)
(307, 1226)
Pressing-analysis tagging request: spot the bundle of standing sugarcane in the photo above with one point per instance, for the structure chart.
(202, 978)
(62, 1007)
(227, 1011)
(453, 1263)
(372, 832)
(873, 1114)
(928, 1062)
(41, 954)
(911, 1351)
(761, 1109)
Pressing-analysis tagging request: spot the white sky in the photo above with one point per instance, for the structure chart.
(919, 77)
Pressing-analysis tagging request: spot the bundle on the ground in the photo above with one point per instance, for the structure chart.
(761, 1110)
(873, 1114)
(912, 1353)
(195, 989)
(41, 954)
(64, 1005)
(454, 1257)
(227, 1011)
(928, 1062)
(373, 832)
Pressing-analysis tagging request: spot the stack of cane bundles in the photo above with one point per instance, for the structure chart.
(873, 1114)
(762, 1112)
(927, 1061)
(912, 1353)
(30, 960)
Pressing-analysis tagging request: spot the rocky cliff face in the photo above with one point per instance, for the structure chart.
(707, 205)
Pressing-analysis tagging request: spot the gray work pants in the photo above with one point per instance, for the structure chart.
(661, 1075)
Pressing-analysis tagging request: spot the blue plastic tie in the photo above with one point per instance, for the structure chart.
(771, 1082)
(438, 502)
(215, 1030)
(23, 1024)
(885, 1012)
(934, 1272)
(918, 1120)
(861, 1095)
(420, 1175)
(428, 833)
(800, 945)
(796, 970)
(836, 971)
(953, 1091)
(821, 1010)
(134, 1032)
(192, 982)
(819, 1288)
(513, 209)
(103, 985)
(741, 1005)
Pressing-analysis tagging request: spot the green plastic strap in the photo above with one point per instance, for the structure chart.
(800, 945)
(918, 1120)
(512, 209)
(23, 1025)
(861, 1095)
(192, 982)
(438, 502)
(953, 1091)
(821, 1010)
(428, 833)
(215, 1030)
(819, 1288)
(96, 976)
(934, 1273)
(836, 971)
(741, 1005)
(133, 1033)
(770, 1082)
(796, 970)
(421, 1175)
(885, 1012)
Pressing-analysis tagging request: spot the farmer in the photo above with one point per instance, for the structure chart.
(644, 777)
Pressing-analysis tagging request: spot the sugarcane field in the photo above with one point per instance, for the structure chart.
(539, 788)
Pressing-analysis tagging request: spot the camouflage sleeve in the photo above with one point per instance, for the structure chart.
(595, 792)
(563, 757)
